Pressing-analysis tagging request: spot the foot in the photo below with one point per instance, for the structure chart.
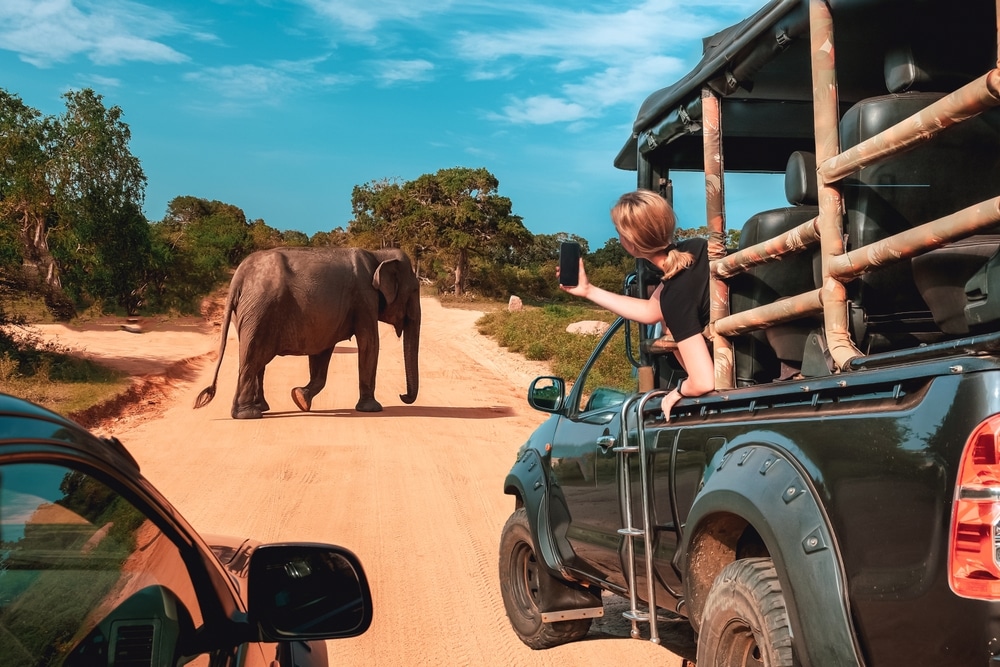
(301, 399)
(368, 405)
(251, 412)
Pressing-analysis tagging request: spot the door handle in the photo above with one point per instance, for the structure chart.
(606, 442)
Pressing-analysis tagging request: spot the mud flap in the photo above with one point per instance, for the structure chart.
(560, 598)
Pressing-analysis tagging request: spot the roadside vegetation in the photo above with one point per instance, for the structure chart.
(74, 243)
(539, 334)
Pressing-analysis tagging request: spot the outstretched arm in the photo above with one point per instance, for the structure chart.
(645, 311)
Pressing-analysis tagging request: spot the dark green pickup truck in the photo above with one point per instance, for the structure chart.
(836, 500)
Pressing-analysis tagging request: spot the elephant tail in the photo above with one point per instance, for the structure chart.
(208, 393)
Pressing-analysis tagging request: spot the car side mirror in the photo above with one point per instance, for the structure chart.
(306, 592)
(547, 393)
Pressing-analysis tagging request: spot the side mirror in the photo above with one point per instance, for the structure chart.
(307, 591)
(547, 393)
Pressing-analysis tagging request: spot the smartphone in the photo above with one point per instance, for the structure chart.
(569, 263)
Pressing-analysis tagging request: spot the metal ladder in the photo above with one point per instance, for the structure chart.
(630, 531)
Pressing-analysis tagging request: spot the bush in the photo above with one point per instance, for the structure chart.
(540, 334)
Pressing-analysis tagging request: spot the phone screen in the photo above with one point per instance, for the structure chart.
(569, 263)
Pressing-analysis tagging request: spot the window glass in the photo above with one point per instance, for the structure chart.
(85, 576)
(611, 378)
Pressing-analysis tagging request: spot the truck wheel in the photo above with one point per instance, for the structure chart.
(523, 580)
(745, 620)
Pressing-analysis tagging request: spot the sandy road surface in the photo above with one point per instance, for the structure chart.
(415, 491)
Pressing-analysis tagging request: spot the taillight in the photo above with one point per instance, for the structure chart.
(974, 552)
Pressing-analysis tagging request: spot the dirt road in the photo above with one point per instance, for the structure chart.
(415, 491)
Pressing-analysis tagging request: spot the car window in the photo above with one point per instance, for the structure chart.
(610, 379)
(85, 577)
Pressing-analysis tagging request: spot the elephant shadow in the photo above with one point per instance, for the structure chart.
(437, 412)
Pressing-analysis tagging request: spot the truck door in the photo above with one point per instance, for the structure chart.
(584, 464)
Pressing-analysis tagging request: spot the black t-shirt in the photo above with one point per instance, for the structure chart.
(684, 299)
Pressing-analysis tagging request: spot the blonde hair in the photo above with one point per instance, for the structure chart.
(646, 222)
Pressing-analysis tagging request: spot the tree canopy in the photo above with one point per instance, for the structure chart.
(72, 226)
(453, 215)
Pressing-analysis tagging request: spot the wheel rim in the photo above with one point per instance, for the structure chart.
(738, 646)
(525, 576)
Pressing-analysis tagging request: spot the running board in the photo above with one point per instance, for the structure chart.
(571, 614)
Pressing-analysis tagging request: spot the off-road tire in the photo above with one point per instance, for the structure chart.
(745, 620)
(522, 579)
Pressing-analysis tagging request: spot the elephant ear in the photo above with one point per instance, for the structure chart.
(386, 279)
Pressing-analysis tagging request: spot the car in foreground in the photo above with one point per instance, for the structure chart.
(97, 567)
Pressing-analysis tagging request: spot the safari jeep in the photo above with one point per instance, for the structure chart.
(836, 500)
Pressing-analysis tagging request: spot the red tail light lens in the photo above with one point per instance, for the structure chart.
(974, 551)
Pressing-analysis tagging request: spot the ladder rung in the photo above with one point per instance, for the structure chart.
(626, 450)
(634, 532)
(637, 615)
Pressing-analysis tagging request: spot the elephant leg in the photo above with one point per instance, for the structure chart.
(249, 398)
(259, 399)
(319, 366)
(368, 347)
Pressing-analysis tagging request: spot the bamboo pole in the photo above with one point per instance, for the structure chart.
(826, 107)
(917, 240)
(968, 101)
(794, 240)
(715, 211)
(762, 317)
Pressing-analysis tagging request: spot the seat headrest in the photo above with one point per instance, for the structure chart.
(800, 179)
(927, 69)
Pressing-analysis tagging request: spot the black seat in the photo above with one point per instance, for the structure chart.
(919, 300)
(776, 353)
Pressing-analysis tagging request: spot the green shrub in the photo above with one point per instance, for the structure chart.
(540, 334)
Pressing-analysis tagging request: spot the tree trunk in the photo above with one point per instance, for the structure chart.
(39, 265)
(460, 266)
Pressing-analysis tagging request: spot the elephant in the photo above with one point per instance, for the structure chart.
(303, 301)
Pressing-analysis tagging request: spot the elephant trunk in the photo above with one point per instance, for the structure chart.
(411, 346)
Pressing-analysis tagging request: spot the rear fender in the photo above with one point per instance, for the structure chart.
(760, 485)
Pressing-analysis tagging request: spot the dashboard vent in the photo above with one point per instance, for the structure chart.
(134, 644)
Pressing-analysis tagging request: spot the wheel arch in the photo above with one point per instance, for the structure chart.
(528, 483)
(756, 502)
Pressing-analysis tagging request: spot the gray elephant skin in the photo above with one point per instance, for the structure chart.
(303, 301)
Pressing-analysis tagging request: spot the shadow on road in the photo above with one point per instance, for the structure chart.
(675, 633)
(392, 411)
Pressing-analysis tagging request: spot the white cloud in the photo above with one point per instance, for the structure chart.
(396, 71)
(542, 110)
(98, 81)
(45, 32)
(364, 16)
(245, 82)
(603, 58)
(574, 38)
(255, 85)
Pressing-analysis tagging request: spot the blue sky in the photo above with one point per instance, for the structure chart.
(282, 107)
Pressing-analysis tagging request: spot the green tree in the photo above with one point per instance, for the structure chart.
(461, 215)
(263, 236)
(294, 239)
(732, 235)
(100, 237)
(379, 207)
(27, 202)
(335, 238)
(612, 254)
(195, 246)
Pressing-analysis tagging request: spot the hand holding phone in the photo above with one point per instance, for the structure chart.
(569, 263)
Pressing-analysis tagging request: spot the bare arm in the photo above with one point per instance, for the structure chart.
(645, 311)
